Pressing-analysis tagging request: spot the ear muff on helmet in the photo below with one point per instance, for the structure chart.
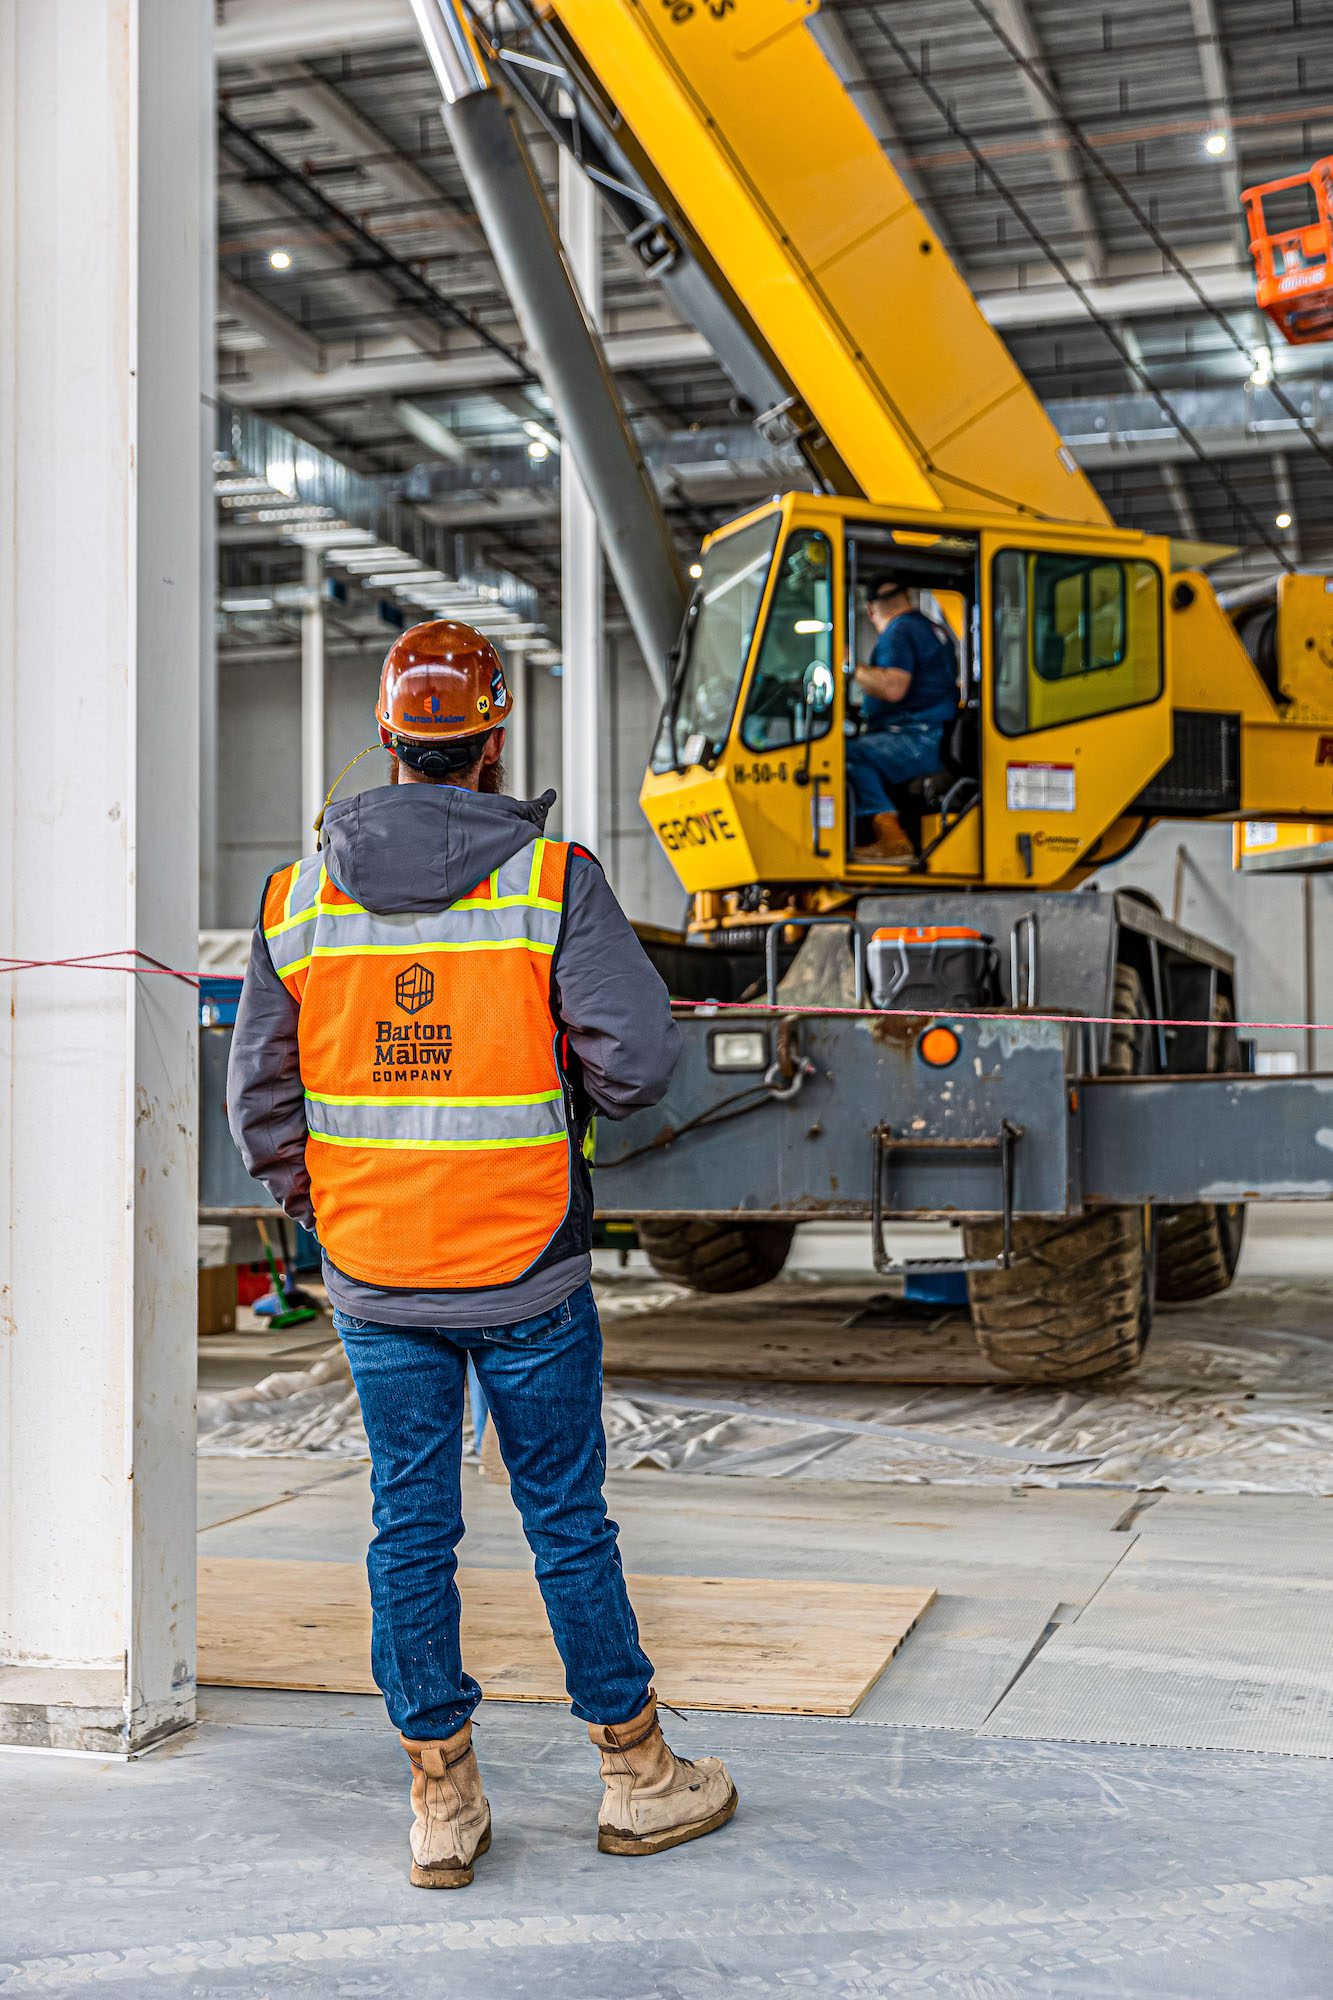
(441, 759)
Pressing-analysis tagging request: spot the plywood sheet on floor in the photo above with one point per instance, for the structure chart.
(742, 1643)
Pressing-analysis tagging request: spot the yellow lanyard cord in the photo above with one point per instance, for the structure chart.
(328, 796)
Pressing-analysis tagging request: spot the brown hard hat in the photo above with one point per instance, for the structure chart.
(442, 681)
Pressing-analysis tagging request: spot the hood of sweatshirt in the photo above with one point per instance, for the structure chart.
(421, 847)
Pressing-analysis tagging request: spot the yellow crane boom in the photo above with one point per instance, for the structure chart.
(1100, 690)
(750, 136)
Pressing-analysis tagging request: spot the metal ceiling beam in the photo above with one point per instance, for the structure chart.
(1016, 21)
(1100, 431)
(429, 430)
(1236, 422)
(389, 369)
(419, 307)
(1181, 505)
(1212, 67)
(1119, 298)
(255, 29)
(281, 333)
(265, 203)
(354, 134)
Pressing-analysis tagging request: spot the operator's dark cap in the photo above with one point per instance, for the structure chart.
(884, 585)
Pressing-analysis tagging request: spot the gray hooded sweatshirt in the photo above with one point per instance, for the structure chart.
(417, 848)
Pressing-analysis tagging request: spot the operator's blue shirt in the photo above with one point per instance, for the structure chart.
(916, 647)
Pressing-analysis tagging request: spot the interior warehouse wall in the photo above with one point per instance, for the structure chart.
(1261, 918)
(259, 771)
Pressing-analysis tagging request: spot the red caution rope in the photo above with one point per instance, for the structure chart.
(985, 1014)
(96, 961)
(154, 968)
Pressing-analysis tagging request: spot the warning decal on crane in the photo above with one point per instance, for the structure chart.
(1040, 788)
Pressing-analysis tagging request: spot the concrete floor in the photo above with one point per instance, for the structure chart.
(263, 1856)
(961, 1837)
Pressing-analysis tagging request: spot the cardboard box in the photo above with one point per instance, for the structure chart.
(217, 1298)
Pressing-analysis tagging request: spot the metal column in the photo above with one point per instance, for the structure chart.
(565, 349)
(581, 621)
(105, 107)
(312, 697)
(518, 734)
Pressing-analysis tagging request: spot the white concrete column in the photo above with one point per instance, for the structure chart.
(313, 698)
(104, 112)
(210, 887)
(581, 636)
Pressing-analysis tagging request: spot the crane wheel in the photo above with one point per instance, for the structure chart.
(1077, 1298)
(1198, 1248)
(715, 1256)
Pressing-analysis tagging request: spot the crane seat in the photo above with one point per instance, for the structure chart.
(1291, 243)
(929, 789)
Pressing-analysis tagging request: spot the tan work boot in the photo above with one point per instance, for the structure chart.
(890, 842)
(653, 1798)
(451, 1820)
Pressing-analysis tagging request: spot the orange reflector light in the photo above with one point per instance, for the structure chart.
(938, 1047)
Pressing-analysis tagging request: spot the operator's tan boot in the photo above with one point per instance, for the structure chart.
(653, 1798)
(451, 1820)
(890, 842)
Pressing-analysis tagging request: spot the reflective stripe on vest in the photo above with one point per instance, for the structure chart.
(439, 1145)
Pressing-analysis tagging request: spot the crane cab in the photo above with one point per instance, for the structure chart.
(1291, 242)
(1060, 639)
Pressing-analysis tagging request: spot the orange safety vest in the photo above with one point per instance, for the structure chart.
(441, 1148)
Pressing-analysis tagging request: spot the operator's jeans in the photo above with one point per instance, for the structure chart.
(885, 757)
(543, 1380)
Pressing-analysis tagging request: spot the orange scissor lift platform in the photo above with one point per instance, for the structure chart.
(1293, 262)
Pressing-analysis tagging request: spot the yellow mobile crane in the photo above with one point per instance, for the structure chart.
(1086, 654)
(1095, 1162)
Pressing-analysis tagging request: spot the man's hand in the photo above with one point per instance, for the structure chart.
(885, 683)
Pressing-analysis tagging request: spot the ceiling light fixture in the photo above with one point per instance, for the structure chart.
(280, 260)
(1283, 520)
(1217, 144)
(696, 569)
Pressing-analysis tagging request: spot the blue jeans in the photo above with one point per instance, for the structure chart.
(887, 757)
(543, 1380)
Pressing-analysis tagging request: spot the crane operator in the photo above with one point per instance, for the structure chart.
(909, 690)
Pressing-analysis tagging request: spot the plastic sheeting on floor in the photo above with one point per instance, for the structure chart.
(1232, 1396)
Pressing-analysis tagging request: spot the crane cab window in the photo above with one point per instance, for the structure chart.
(791, 695)
(718, 629)
(1074, 636)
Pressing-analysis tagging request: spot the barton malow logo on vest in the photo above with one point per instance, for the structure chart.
(415, 1051)
(414, 988)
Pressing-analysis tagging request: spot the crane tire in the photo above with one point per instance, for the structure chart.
(1198, 1247)
(715, 1256)
(1077, 1298)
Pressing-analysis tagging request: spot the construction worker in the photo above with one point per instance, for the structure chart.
(434, 1008)
(909, 695)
